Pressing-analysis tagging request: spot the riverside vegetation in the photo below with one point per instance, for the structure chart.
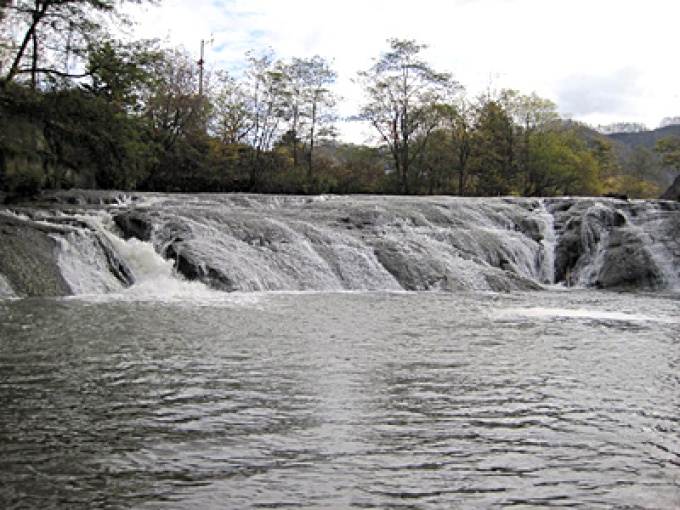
(80, 108)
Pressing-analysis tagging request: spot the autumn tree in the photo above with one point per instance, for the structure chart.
(402, 92)
(608, 165)
(669, 149)
(176, 116)
(230, 119)
(641, 175)
(533, 117)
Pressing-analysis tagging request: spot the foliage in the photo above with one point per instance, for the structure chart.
(669, 149)
(134, 116)
(493, 159)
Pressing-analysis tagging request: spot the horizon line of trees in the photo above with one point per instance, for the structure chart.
(80, 108)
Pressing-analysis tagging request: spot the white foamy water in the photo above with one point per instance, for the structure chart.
(83, 263)
(250, 243)
(593, 314)
(548, 243)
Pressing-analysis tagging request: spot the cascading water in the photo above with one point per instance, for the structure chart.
(594, 238)
(649, 231)
(156, 244)
(87, 256)
(345, 243)
(86, 259)
(548, 242)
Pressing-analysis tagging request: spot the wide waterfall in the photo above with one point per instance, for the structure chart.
(103, 243)
(246, 351)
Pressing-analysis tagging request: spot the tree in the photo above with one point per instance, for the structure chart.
(52, 33)
(175, 115)
(433, 169)
(230, 116)
(669, 149)
(493, 152)
(172, 103)
(458, 119)
(361, 169)
(402, 93)
(609, 168)
(532, 117)
(123, 73)
(312, 104)
(265, 85)
(641, 177)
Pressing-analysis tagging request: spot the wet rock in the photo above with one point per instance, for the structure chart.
(673, 193)
(132, 224)
(28, 259)
(626, 264)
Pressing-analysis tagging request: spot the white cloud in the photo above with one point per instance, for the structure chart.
(570, 51)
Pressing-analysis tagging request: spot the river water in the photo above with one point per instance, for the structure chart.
(341, 400)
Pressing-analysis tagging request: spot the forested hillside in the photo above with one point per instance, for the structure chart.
(92, 111)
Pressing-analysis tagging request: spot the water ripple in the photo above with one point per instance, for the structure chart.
(323, 401)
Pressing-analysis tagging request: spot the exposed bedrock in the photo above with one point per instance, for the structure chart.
(616, 244)
(236, 242)
(28, 260)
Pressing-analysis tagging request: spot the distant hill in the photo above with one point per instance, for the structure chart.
(646, 139)
(625, 144)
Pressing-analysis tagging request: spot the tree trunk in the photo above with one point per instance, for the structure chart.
(310, 173)
(39, 12)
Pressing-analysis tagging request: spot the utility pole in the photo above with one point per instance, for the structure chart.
(201, 63)
(200, 70)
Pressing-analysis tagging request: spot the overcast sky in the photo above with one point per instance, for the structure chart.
(600, 61)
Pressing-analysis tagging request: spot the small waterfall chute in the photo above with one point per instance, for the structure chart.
(96, 261)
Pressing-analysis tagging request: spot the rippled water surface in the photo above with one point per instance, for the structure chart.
(414, 400)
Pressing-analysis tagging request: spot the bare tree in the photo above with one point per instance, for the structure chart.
(311, 103)
(52, 32)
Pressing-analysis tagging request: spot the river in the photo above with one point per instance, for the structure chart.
(191, 398)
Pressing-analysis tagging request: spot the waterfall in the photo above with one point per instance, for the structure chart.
(265, 243)
(6, 290)
(594, 238)
(548, 243)
(648, 227)
(160, 246)
(95, 260)
(87, 262)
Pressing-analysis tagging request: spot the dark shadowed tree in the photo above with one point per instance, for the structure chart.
(493, 157)
(52, 34)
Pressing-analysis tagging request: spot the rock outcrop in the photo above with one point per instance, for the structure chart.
(673, 193)
(29, 259)
(610, 243)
